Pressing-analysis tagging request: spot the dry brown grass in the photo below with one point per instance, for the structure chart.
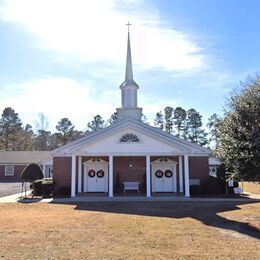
(253, 187)
(158, 230)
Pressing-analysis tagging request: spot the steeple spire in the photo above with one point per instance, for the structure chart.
(129, 79)
(129, 108)
(129, 66)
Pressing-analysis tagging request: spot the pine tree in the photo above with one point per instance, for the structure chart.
(180, 115)
(43, 140)
(213, 126)
(10, 126)
(158, 121)
(113, 119)
(194, 123)
(66, 131)
(96, 124)
(168, 119)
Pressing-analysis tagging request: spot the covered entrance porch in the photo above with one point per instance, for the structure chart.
(118, 175)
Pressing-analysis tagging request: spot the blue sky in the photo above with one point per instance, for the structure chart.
(67, 58)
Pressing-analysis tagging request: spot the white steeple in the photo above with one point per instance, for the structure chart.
(129, 89)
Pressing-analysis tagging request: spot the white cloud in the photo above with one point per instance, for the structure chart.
(65, 97)
(94, 31)
(57, 98)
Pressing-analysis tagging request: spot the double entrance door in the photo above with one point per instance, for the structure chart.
(96, 176)
(164, 177)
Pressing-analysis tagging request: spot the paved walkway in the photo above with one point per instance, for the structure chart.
(16, 198)
(9, 188)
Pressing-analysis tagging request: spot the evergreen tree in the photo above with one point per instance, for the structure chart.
(195, 133)
(10, 126)
(213, 126)
(180, 115)
(96, 124)
(113, 119)
(43, 140)
(158, 121)
(26, 139)
(239, 141)
(168, 119)
(66, 131)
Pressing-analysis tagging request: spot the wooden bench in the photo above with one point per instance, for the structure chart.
(131, 185)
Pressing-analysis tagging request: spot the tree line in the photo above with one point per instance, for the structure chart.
(235, 138)
(16, 136)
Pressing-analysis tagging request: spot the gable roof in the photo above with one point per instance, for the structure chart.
(24, 157)
(153, 132)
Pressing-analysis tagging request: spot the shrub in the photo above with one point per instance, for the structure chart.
(64, 191)
(213, 186)
(31, 173)
(195, 190)
(43, 187)
(37, 188)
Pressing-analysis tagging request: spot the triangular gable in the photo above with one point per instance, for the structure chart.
(155, 141)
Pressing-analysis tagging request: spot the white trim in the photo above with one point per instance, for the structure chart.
(110, 176)
(187, 176)
(18, 164)
(148, 176)
(79, 174)
(180, 174)
(73, 176)
(101, 154)
(9, 166)
(155, 133)
(44, 170)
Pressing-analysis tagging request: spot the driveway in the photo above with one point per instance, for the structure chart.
(9, 188)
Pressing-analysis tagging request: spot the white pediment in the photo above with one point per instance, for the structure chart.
(146, 144)
(151, 141)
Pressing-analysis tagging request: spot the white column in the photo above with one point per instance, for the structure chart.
(180, 174)
(79, 174)
(85, 170)
(110, 177)
(44, 170)
(187, 176)
(148, 176)
(73, 176)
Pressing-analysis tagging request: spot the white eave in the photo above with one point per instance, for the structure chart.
(153, 132)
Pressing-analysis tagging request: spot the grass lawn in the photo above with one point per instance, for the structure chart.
(156, 230)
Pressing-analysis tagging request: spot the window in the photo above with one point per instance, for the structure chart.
(129, 138)
(9, 170)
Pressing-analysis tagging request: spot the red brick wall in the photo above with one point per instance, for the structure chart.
(199, 167)
(136, 173)
(61, 173)
(17, 172)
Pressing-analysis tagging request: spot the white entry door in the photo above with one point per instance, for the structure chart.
(96, 176)
(164, 176)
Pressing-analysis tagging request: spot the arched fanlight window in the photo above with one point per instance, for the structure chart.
(129, 138)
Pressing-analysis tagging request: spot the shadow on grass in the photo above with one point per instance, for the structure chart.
(205, 212)
(29, 200)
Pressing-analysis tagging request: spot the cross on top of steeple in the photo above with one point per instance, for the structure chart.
(128, 25)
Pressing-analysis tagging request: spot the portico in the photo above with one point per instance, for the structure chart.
(141, 169)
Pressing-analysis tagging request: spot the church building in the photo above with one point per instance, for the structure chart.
(129, 157)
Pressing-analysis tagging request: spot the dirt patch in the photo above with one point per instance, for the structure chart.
(179, 230)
